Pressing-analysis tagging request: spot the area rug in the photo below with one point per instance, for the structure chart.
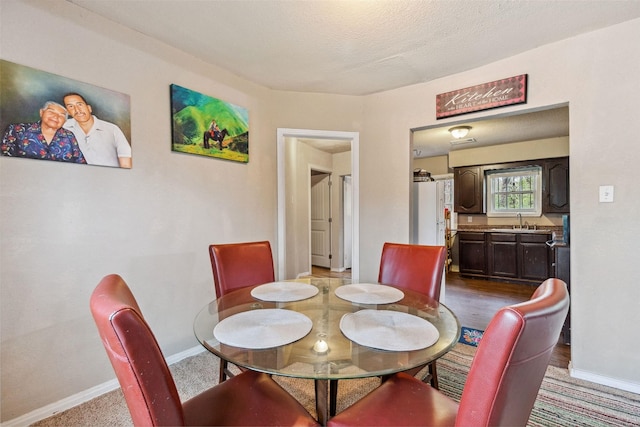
(562, 400)
(470, 336)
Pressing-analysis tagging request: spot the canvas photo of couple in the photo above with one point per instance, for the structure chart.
(48, 117)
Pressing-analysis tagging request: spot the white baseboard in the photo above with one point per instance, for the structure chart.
(85, 396)
(604, 380)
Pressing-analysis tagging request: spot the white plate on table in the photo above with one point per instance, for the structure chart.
(389, 330)
(284, 291)
(264, 328)
(369, 293)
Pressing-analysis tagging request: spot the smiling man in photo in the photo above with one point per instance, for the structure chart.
(101, 142)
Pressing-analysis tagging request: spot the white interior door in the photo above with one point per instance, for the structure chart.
(321, 219)
(346, 220)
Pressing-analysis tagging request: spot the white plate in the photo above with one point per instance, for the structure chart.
(388, 330)
(265, 328)
(284, 291)
(369, 293)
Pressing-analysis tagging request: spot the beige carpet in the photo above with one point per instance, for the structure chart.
(562, 401)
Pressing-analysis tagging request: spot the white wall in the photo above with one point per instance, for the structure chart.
(594, 74)
(64, 226)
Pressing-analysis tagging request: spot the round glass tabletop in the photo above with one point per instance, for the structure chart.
(325, 352)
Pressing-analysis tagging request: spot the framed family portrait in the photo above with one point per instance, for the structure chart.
(45, 116)
(207, 126)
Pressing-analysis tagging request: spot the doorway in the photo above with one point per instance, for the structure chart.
(513, 136)
(293, 207)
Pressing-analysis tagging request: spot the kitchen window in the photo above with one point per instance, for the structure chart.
(514, 191)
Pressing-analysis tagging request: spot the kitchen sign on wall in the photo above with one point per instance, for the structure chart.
(499, 93)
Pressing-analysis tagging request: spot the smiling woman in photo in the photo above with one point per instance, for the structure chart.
(44, 139)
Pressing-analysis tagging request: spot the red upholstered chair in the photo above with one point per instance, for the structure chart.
(503, 380)
(415, 267)
(418, 268)
(248, 399)
(237, 265)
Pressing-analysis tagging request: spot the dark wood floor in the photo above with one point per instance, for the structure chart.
(476, 301)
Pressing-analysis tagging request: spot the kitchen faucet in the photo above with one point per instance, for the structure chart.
(519, 215)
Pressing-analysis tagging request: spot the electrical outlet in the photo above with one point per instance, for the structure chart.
(469, 218)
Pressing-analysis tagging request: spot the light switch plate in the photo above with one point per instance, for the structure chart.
(606, 193)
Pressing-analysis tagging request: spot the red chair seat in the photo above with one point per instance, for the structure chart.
(149, 390)
(401, 400)
(503, 381)
(248, 399)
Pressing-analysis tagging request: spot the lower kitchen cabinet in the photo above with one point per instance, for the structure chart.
(535, 257)
(502, 254)
(471, 249)
(517, 257)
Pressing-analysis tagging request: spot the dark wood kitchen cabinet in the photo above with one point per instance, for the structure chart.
(534, 256)
(555, 198)
(471, 250)
(514, 257)
(468, 189)
(469, 185)
(502, 254)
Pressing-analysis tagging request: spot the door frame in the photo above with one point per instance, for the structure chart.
(354, 137)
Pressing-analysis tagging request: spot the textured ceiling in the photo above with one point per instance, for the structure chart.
(358, 47)
(363, 47)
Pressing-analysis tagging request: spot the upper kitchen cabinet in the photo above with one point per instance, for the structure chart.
(556, 186)
(468, 189)
(469, 185)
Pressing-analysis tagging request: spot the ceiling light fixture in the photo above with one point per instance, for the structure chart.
(459, 132)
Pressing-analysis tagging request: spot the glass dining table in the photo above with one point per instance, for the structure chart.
(325, 354)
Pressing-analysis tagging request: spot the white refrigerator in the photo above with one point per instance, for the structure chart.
(428, 213)
(430, 199)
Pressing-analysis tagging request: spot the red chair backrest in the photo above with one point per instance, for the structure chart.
(512, 358)
(236, 265)
(145, 378)
(415, 267)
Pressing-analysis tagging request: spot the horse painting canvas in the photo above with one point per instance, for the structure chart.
(207, 126)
